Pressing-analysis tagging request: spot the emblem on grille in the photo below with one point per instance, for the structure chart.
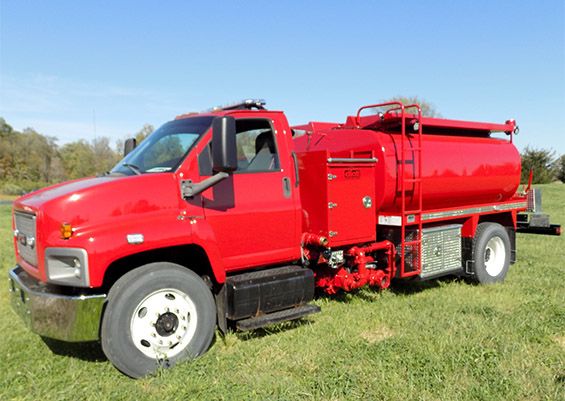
(22, 239)
(25, 240)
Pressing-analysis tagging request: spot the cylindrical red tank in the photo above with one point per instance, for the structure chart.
(456, 170)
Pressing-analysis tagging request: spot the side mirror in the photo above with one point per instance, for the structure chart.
(129, 145)
(224, 149)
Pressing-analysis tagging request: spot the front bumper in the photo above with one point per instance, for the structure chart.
(52, 314)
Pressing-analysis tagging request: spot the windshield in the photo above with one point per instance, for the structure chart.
(165, 149)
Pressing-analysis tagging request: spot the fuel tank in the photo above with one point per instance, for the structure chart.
(456, 170)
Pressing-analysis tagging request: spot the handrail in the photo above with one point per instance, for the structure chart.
(372, 106)
(351, 160)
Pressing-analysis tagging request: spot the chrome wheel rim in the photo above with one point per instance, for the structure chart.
(163, 323)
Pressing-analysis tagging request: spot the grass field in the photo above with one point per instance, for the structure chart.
(7, 198)
(440, 340)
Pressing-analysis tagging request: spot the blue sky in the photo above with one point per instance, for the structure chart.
(73, 69)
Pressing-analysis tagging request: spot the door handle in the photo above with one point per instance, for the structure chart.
(287, 191)
(295, 168)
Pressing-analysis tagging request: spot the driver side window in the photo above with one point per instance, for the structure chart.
(256, 148)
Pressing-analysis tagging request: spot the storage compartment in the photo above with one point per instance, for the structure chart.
(441, 250)
(338, 198)
(261, 292)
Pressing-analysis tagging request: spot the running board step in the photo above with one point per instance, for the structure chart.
(277, 317)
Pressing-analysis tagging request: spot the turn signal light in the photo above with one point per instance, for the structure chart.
(66, 231)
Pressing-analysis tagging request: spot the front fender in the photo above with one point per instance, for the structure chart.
(117, 239)
(203, 236)
(109, 242)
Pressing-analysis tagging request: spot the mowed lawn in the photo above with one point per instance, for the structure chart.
(440, 340)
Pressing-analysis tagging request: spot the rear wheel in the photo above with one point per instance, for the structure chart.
(155, 316)
(492, 253)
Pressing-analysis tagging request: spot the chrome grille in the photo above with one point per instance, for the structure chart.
(25, 237)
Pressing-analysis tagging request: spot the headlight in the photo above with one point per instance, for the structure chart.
(67, 266)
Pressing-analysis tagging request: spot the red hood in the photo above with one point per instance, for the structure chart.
(99, 199)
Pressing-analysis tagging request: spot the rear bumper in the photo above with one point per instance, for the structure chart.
(52, 314)
(536, 224)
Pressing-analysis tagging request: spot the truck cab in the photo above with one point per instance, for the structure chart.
(204, 197)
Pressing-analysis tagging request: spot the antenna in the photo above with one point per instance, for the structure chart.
(94, 121)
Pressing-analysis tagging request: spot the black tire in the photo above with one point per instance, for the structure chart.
(491, 247)
(157, 302)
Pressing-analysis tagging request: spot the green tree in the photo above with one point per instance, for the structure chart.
(542, 162)
(25, 156)
(104, 157)
(5, 129)
(27, 159)
(560, 167)
(13, 165)
(7, 139)
(41, 151)
(78, 160)
(83, 159)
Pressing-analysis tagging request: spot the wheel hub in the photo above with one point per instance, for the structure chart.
(487, 255)
(167, 324)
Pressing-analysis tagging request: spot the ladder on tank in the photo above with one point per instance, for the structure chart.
(411, 217)
(411, 238)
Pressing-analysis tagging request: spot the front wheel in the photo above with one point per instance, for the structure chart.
(155, 316)
(492, 253)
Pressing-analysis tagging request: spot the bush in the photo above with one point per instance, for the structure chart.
(20, 188)
(542, 161)
(12, 189)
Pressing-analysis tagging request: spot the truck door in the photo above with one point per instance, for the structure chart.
(254, 212)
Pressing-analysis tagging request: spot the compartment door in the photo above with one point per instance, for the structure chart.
(352, 215)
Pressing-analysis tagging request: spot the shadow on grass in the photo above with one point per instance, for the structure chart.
(270, 330)
(397, 287)
(341, 296)
(414, 286)
(87, 351)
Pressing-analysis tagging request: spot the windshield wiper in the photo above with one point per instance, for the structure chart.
(133, 168)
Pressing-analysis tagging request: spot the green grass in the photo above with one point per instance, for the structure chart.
(441, 340)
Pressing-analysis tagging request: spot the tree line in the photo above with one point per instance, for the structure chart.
(30, 160)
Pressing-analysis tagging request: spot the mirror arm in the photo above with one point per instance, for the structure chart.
(190, 189)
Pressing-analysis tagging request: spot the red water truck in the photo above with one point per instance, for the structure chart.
(231, 218)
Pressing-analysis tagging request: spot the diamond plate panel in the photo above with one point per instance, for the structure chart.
(441, 250)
